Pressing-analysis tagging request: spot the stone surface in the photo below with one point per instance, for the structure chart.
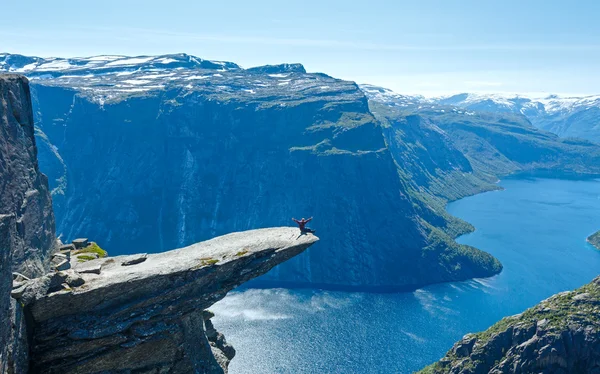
(66, 247)
(26, 216)
(134, 259)
(149, 317)
(559, 335)
(88, 267)
(80, 243)
(62, 265)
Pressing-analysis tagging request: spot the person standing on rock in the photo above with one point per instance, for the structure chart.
(302, 224)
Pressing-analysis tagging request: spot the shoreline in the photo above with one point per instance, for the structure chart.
(594, 240)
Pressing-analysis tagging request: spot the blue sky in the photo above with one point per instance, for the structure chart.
(426, 46)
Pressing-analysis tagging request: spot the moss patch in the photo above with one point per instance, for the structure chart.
(92, 248)
(84, 258)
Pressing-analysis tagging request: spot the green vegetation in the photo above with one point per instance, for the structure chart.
(84, 258)
(594, 239)
(458, 261)
(92, 248)
(205, 261)
(241, 253)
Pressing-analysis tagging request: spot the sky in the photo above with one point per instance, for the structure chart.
(428, 47)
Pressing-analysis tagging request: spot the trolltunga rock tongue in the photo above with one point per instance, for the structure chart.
(148, 315)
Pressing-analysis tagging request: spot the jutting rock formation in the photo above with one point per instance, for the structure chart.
(144, 313)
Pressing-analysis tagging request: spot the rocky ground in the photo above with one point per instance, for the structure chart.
(559, 335)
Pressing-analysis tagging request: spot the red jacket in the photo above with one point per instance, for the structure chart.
(302, 223)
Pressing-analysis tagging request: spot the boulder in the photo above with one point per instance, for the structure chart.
(63, 265)
(134, 259)
(90, 267)
(66, 247)
(81, 243)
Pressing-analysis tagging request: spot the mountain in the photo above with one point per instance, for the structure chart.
(566, 116)
(446, 152)
(559, 335)
(150, 156)
(495, 144)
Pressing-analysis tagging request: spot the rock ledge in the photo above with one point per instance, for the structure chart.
(148, 317)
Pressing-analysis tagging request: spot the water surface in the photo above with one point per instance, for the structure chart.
(536, 227)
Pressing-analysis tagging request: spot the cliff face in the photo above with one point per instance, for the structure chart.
(26, 217)
(143, 313)
(559, 335)
(24, 189)
(207, 152)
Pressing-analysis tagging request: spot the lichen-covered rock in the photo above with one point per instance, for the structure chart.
(26, 216)
(148, 316)
(559, 335)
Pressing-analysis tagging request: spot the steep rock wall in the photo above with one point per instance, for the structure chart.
(173, 167)
(26, 218)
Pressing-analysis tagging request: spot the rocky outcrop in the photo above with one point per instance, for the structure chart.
(559, 335)
(594, 239)
(145, 314)
(26, 217)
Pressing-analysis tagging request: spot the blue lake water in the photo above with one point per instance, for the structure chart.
(535, 227)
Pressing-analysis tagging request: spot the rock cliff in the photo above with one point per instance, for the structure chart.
(26, 217)
(24, 189)
(153, 153)
(143, 313)
(559, 335)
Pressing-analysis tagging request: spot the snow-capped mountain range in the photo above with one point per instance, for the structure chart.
(565, 116)
(509, 103)
(110, 77)
(106, 78)
(55, 66)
